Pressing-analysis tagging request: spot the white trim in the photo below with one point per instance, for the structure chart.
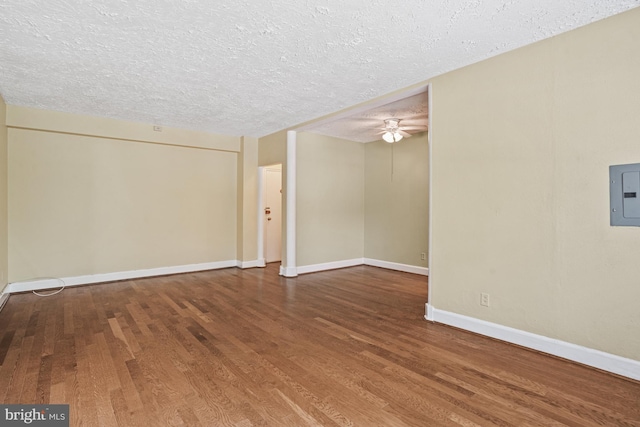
(262, 262)
(329, 265)
(428, 310)
(162, 271)
(424, 271)
(4, 297)
(587, 356)
(261, 213)
(430, 211)
(290, 269)
(312, 268)
(250, 264)
(123, 275)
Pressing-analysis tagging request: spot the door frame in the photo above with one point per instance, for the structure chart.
(262, 262)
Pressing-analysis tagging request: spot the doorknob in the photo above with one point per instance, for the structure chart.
(269, 219)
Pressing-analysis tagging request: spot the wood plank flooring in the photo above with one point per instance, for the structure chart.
(238, 347)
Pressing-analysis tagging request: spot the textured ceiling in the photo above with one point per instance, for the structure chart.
(249, 67)
(368, 125)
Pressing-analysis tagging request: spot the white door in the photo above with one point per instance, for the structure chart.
(272, 214)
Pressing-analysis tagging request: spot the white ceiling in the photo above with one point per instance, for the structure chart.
(367, 124)
(249, 67)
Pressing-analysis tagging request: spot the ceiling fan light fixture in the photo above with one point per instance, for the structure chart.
(391, 137)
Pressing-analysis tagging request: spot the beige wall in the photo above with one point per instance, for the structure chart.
(247, 200)
(397, 201)
(55, 121)
(4, 242)
(81, 204)
(336, 179)
(521, 149)
(330, 199)
(272, 150)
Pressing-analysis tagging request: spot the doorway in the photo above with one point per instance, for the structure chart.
(271, 212)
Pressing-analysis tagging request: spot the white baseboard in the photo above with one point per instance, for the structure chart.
(362, 261)
(428, 310)
(329, 265)
(262, 262)
(396, 266)
(288, 271)
(110, 277)
(250, 264)
(587, 356)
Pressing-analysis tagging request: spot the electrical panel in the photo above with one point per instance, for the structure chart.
(624, 195)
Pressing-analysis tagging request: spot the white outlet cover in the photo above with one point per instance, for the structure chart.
(484, 300)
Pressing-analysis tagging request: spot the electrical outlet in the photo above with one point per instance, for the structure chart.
(423, 256)
(484, 300)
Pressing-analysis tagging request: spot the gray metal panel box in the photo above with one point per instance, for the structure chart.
(624, 194)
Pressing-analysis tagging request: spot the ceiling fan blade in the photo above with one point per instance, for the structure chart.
(364, 121)
(416, 128)
(403, 133)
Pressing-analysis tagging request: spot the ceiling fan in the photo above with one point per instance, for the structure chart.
(393, 132)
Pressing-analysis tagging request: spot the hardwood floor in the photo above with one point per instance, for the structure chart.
(245, 347)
